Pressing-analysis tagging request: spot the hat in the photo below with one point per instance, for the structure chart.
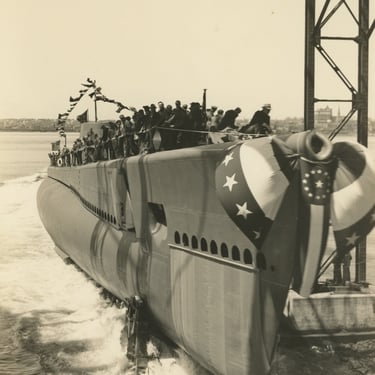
(267, 106)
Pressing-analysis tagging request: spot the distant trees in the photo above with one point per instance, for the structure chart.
(41, 125)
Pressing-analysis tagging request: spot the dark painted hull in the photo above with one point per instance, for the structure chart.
(154, 226)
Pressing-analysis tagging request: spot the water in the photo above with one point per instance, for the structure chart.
(53, 320)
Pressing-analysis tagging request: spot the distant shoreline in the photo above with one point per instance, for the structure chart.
(323, 131)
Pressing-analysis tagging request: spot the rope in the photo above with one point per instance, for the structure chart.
(234, 132)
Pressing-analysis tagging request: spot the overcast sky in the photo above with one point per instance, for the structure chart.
(245, 52)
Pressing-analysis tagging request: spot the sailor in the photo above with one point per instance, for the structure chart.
(259, 125)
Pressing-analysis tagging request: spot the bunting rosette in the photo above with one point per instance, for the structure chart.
(332, 183)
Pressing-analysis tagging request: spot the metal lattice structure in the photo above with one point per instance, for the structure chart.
(314, 39)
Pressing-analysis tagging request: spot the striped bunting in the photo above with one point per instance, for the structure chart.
(253, 176)
(353, 197)
(250, 185)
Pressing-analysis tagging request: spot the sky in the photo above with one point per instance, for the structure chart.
(244, 52)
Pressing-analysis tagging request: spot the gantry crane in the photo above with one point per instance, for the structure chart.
(314, 41)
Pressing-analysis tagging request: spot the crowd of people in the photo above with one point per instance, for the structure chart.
(160, 128)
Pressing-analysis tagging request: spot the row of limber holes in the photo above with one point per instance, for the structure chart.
(235, 253)
(224, 251)
(104, 215)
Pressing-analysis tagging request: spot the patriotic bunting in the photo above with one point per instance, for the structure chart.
(83, 117)
(96, 95)
(335, 183)
(353, 198)
(75, 100)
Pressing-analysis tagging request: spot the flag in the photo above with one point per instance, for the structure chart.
(353, 198)
(120, 107)
(101, 97)
(75, 100)
(55, 146)
(88, 85)
(335, 183)
(252, 199)
(83, 117)
(83, 91)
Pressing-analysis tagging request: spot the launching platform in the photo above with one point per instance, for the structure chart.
(343, 312)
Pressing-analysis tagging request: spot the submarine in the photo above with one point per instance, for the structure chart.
(212, 238)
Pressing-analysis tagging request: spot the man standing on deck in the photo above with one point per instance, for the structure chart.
(260, 123)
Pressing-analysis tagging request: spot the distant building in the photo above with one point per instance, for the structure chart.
(323, 117)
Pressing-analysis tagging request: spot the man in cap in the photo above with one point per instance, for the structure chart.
(260, 123)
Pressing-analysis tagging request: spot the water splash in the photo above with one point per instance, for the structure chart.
(53, 319)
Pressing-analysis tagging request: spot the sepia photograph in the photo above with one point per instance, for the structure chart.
(187, 187)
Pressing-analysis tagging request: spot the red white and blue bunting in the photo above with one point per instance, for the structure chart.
(335, 183)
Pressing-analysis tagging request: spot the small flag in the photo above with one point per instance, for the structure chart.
(101, 97)
(120, 107)
(88, 84)
(75, 100)
(83, 117)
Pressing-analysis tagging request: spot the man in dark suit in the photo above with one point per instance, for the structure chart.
(260, 123)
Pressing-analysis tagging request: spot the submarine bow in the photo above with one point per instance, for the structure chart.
(331, 183)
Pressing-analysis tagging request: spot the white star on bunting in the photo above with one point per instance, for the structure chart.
(257, 234)
(230, 182)
(319, 184)
(352, 239)
(242, 210)
(228, 158)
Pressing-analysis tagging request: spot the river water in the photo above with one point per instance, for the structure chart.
(53, 320)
